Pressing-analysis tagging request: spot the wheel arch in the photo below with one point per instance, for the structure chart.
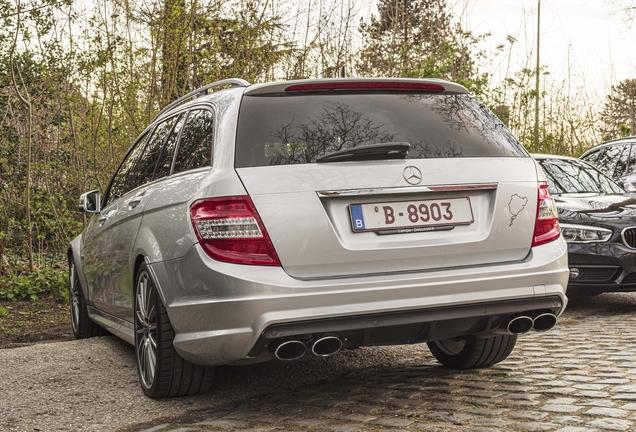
(139, 260)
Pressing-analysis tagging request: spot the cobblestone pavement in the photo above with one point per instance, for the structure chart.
(577, 377)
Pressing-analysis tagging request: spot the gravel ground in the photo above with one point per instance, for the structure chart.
(92, 384)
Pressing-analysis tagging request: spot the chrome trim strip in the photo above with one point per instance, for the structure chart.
(203, 91)
(407, 189)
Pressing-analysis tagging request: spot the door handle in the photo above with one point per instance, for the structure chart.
(134, 202)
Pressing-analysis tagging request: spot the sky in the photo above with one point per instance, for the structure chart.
(590, 38)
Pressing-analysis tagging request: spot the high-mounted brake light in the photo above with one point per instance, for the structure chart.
(366, 85)
(546, 227)
(230, 230)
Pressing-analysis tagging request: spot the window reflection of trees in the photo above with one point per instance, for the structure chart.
(195, 148)
(451, 126)
(338, 127)
(165, 159)
(573, 178)
(122, 181)
(621, 163)
(145, 168)
(465, 113)
(429, 150)
(607, 161)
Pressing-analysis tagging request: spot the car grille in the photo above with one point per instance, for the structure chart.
(629, 237)
(598, 274)
(630, 279)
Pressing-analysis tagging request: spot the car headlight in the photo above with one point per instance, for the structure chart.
(585, 233)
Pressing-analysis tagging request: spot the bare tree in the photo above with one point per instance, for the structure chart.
(627, 9)
(24, 96)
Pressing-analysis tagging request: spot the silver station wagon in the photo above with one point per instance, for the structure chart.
(276, 220)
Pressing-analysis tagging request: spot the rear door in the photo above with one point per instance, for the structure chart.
(97, 239)
(125, 222)
(465, 195)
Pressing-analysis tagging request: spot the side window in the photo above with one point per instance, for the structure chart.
(145, 169)
(165, 160)
(592, 158)
(622, 162)
(121, 180)
(607, 161)
(195, 147)
(632, 161)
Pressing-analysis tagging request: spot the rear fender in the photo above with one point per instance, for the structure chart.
(147, 248)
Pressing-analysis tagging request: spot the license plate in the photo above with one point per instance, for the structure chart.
(421, 215)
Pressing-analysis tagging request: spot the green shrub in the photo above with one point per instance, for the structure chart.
(3, 313)
(46, 281)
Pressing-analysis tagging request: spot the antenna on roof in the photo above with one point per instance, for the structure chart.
(342, 72)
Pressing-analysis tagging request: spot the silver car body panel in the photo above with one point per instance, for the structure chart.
(290, 205)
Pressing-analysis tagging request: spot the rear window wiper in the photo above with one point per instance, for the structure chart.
(380, 151)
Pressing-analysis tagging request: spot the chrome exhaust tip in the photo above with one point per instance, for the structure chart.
(290, 350)
(519, 325)
(326, 346)
(544, 322)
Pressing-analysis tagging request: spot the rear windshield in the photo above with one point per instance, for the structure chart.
(296, 129)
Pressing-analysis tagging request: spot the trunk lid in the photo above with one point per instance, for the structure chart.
(306, 211)
(316, 155)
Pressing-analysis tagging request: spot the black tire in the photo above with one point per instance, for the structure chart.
(581, 295)
(83, 327)
(471, 352)
(162, 371)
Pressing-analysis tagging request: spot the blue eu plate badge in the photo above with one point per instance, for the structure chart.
(357, 217)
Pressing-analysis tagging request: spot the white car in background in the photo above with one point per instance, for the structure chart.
(278, 219)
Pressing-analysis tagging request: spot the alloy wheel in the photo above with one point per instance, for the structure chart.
(75, 298)
(146, 330)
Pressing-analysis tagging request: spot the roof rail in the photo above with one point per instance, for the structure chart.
(618, 139)
(234, 82)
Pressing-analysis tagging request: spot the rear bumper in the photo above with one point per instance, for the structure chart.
(411, 327)
(223, 312)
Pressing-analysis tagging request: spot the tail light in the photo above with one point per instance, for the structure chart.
(366, 86)
(230, 230)
(546, 227)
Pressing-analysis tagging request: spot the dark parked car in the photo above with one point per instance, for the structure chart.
(617, 159)
(598, 221)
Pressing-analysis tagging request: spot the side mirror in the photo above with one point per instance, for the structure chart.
(629, 187)
(90, 202)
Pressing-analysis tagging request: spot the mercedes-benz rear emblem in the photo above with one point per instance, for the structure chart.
(412, 175)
